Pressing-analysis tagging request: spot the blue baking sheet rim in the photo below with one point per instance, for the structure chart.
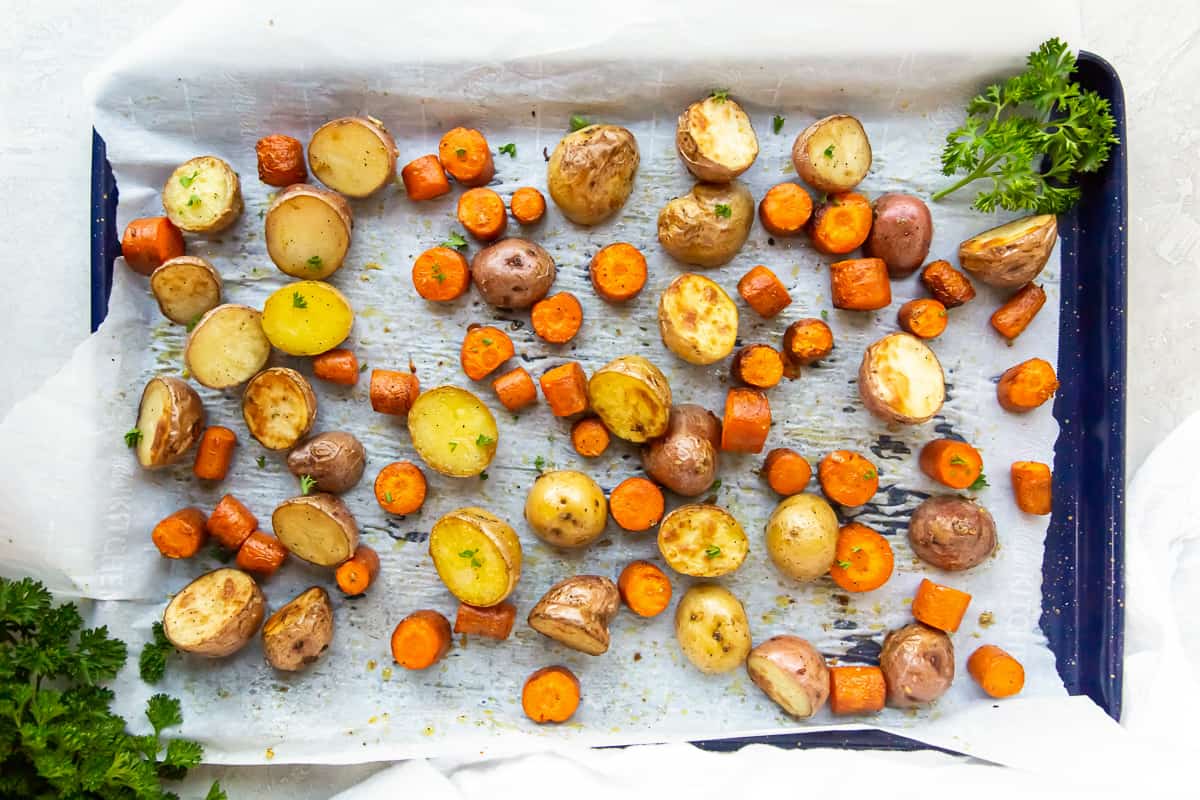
(1083, 566)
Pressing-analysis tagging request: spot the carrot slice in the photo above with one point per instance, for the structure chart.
(338, 366)
(483, 349)
(515, 389)
(148, 242)
(841, 224)
(400, 488)
(758, 365)
(261, 554)
(764, 292)
(951, 463)
(421, 639)
(214, 453)
(618, 272)
(465, 154)
(939, 606)
(424, 178)
(356, 574)
(787, 471)
(182, 534)
(557, 318)
(1033, 486)
(493, 622)
(280, 160)
(847, 478)
(864, 559)
(996, 672)
(589, 437)
(527, 205)
(645, 588)
(785, 209)
(550, 695)
(924, 318)
(1026, 386)
(231, 522)
(441, 274)
(856, 690)
(1011, 319)
(393, 392)
(481, 212)
(747, 421)
(948, 286)
(636, 504)
(565, 388)
(860, 284)
(807, 341)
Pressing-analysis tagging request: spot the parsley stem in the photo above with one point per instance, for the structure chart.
(980, 172)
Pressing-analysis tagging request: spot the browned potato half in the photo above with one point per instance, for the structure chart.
(185, 288)
(833, 154)
(1011, 255)
(632, 398)
(801, 536)
(901, 380)
(952, 532)
(214, 615)
(513, 273)
(477, 555)
(170, 420)
(712, 628)
(353, 155)
(576, 612)
(703, 541)
(715, 139)
(697, 320)
(708, 225)
(901, 232)
(227, 347)
(203, 195)
(918, 665)
(279, 407)
(566, 508)
(792, 673)
(685, 459)
(317, 528)
(308, 231)
(453, 431)
(335, 460)
(297, 634)
(590, 173)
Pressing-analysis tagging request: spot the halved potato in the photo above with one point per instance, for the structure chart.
(701, 540)
(708, 225)
(214, 615)
(792, 673)
(697, 319)
(203, 195)
(298, 633)
(477, 555)
(1011, 255)
(576, 612)
(186, 288)
(170, 420)
(353, 155)
(632, 398)
(279, 407)
(317, 528)
(715, 139)
(308, 231)
(307, 318)
(227, 347)
(833, 154)
(901, 380)
(453, 431)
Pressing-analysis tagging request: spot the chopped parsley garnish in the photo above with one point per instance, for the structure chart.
(314, 262)
(132, 437)
(578, 122)
(539, 463)
(438, 275)
(484, 441)
(298, 300)
(454, 241)
(958, 461)
(828, 152)
(186, 180)
(194, 200)
(461, 152)
(509, 150)
(261, 461)
(720, 95)
(723, 210)
(777, 123)
(980, 483)
(307, 484)
(712, 551)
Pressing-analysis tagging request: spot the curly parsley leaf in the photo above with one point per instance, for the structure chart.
(777, 123)
(152, 664)
(307, 484)
(133, 437)
(455, 241)
(509, 150)
(578, 122)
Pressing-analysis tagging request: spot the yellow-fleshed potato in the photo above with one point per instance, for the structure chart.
(353, 155)
(214, 615)
(715, 139)
(792, 673)
(185, 288)
(833, 154)
(453, 431)
(298, 633)
(590, 173)
(801, 536)
(708, 225)
(702, 540)
(576, 612)
(632, 398)
(306, 318)
(317, 528)
(477, 555)
(712, 628)
(566, 508)
(1011, 255)
(170, 420)
(227, 347)
(308, 231)
(901, 380)
(279, 407)
(203, 195)
(697, 320)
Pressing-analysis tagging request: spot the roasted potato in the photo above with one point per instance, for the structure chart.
(298, 633)
(715, 139)
(901, 380)
(203, 195)
(590, 174)
(306, 318)
(317, 528)
(185, 288)
(170, 420)
(353, 155)
(566, 508)
(513, 273)
(227, 347)
(901, 232)
(576, 612)
(1011, 255)
(632, 398)
(335, 460)
(917, 664)
(453, 431)
(697, 320)
(952, 532)
(708, 225)
(308, 231)
(833, 154)
(703, 541)
(801, 536)
(792, 673)
(279, 407)
(685, 459)
(477, 555)
(712, 628)
(214, 615)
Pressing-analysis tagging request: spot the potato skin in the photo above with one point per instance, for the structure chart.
(686, 534)
(499, 535)
(590, 173)
(161, 286)
(697, 320)
(216, 588)
(801, 536)
(712, 628)
(901, 233)
(918, 665)
(893, 391)
(566, 508)
(576, 612)
(697, 121)
(335, 512)
(686, 458)
(335, 459)
(513, 273)
(1010, 255)
(651, 393)
(280, 160)
(952, 532)
(691, 231)
(827, 177)
(792, 673)
(169, 443)
(298, 633)
(174, 193)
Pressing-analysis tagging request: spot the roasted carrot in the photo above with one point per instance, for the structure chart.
(951, 463)
(231, 522)
(550, 695)
(758, 365)
(515, 389)
(856, 690)
(1032, 486)
(481, 212)
(636, 504)
(939, 606)
(847, 478)
(424, 178)
(338, 366)
(214, 453)
(1018, 311)
(493, 622)
(356, 574)
(465, 154)
(618, 272)
(483, 349)
(261, 554)
(589, 437)
(441, 274)
(150, 241)
(785, 209)
(393, 392)
(996, 672)
(1026, 386)
(280, 160)
(645, 588)
(400, 488)
(565, 388)
(860, 284)
(527, 205)
(182, 534)
(947, 285)
(924, 318)
(807, 341)
(764, 292)
(841, 224)
(421, 639)
(863, 559)
(557, 318)
(747, 421)
(786, 471)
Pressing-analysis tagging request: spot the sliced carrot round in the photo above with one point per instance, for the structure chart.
(864, 559)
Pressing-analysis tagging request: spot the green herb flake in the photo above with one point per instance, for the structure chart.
(509, 150)
(314, 262)
(261, 461)
(186, 180)
(856, 549)
(438, 275)
(455, 241)
(958, 461)
(720, 95)
(712, 551)
(825, 314)
(539, 463)
(484, 441)
(844, 564)
(298, 300)
(132, 437)
(486, 342)
(461, 152)
(716, 485)
(387, 497)
(578, 122)
(723, 210)
(869, 475)
(979, 484)
(483, 476)
(194, 200)
(828, 153)
(191, 326)
(453, 446)
(307, 484)
(777, 123)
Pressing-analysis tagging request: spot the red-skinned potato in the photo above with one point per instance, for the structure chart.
(685, 458)
(792, 673)
(901, 232)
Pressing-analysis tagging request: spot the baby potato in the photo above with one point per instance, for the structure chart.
(453, 431)
(712, 628)
(215, 615)
(715, 139)
(306, 318)
(802, 536)
(227, 347)
(566, 508)
(186, 288)
(308, 231)
(900, 380)
(918, 665)
(792, 673)
(632, 398)
(513, 273)
(203, 195)
(477, 555)
(697, 320)
(170, 419)
(833, 154)
(1011, 255)
(702, 540)
(590, 173)
(317, 528)
(355, 156)
(708, 225)
(298, 633)
(279, 407)
(334, 459)
(952, 532)
(576, 613)
(685, 458)
(901, 232)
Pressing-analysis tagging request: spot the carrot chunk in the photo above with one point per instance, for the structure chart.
(951, 463)
(764, 292)
(645, 588)
(848, 478)
(939, 606)
(465, 154)
(1026, 386)
(483, 350)
(557, 318)
(481, 212)
(280, 160)
(758, 365)
(424, 178)
(182, 534)
(589, 437)
(856, 690)
(214, 453)
(565, 388)
(493, 622)
(747, 421)
(841, 224)
(636, 504)
(618, 272)
(393, 392)
(527, 205)
(924, 318)
(148, 242)
(441, 274)
(400, 488)
(860, 284)
(261, 554)
(356, 574)
(421, 639)
(550, 695)
(996, 672)
(338, 366)
(1012, 318)
(231, 522)
(947, 285)
(515, 389)
(785, 209)
(1033, 486)
(864, 559)
(807, 341)
(787, 472)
